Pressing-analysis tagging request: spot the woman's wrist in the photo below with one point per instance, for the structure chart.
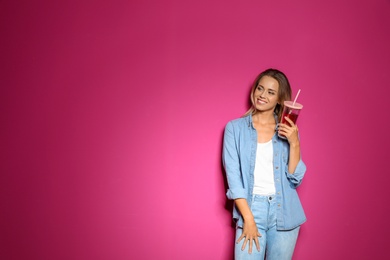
(295, 144)
(248, 218)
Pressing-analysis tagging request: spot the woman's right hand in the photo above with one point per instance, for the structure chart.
(250, 234)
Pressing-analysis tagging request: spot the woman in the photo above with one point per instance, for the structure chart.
(263, 172)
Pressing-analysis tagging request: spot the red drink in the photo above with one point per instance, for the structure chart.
(291, 110)
(293, 117)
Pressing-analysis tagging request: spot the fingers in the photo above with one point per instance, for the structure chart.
(250, 245)
(244, 243)
(240, 238)
(288, 131)
(250, 241)
(289, 120)
(292, 124)
(257, 242)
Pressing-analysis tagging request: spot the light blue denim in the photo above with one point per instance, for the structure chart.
(274, 244)
(239, 157)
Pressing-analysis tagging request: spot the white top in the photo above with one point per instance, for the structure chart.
(264, 174)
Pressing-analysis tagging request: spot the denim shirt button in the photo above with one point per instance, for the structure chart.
(277, 167)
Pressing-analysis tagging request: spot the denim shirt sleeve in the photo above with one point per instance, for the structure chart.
(231, 162)
(296, 178)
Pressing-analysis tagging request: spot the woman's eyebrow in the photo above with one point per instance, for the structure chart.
(269, 89)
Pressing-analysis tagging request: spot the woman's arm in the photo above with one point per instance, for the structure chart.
(291, 133)
(295, 156)
(231, 162)
(236, 190)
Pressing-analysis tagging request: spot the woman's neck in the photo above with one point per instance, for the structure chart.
(263, 118)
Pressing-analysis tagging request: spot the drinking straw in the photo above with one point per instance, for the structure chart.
(296, 97)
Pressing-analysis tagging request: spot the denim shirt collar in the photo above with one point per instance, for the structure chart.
(249, 121)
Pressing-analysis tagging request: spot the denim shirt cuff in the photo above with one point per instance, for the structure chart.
(233, 194)
(296, 177)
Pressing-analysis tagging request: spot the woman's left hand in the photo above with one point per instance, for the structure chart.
(290, 132)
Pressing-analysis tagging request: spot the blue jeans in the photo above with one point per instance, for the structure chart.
(274, 244)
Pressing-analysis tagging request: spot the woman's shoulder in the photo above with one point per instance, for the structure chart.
(239, 122)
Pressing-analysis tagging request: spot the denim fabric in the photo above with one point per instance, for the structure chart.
(239, 156)
(274, 244)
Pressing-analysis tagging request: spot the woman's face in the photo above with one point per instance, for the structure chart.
(266, 94)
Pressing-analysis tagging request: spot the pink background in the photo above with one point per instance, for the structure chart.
(112, 115)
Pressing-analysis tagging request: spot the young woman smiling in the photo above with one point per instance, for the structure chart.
(263, 172)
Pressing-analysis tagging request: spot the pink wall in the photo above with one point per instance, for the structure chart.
(113, 112)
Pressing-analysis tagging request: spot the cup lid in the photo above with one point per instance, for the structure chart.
(295, 106)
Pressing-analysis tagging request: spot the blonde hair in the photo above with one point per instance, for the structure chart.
(284, 92)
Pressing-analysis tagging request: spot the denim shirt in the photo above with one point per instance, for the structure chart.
(239, 157)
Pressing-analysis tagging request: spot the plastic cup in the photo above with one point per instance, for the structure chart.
(291, 110)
